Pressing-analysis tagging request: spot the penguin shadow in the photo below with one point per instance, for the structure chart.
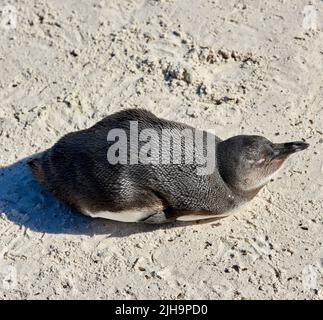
(26, 203)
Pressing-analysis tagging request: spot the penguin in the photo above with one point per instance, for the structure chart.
(78, 172)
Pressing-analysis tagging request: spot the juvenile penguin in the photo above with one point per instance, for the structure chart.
(78, 170)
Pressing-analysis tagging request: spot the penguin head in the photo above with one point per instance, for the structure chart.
(247, 163)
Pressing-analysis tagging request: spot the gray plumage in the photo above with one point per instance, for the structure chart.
(77, 172)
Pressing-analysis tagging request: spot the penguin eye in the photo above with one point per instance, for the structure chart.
(260, 161)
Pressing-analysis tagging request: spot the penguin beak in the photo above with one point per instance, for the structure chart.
(282, 150)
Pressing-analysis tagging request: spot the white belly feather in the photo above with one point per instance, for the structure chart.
(195, 217)
(137, 215)
(122, 216)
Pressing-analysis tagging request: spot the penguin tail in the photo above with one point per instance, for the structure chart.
(36, 168)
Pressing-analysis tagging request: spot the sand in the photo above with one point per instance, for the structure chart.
(252, 67)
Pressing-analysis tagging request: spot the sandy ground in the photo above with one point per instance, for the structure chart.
(250, 67)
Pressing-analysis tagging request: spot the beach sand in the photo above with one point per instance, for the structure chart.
(240, 67)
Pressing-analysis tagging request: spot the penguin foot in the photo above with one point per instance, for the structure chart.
(156, 218)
